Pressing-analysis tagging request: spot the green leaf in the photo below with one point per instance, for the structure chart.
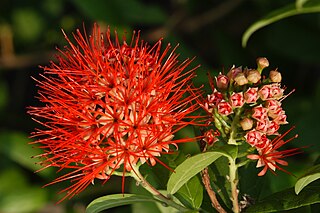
(190, 167)
(285, 12)
(311, 175)
(192, 192)
(287, 199)
(227, 150)
(114, 200)
(300, 3)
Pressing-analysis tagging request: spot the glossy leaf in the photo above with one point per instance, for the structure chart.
(190, 167)
(114, 200)
(192, 192)
(287, 199)
(311, 175)
(288, 11)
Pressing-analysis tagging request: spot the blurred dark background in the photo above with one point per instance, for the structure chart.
(211, 30)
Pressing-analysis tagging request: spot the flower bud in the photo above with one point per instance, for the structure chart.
(234, 72)
(222, 81)
(241, 79)
(251, 95)
(214, 98)
(275, 76)
(224, 108)
(265, 92)
(257, 139)
(246, 124)
(210, 137)
(262, 126)
(253, 137)
(276, 92)
(281, 118)
(273, 127)
(253, 76)
(275, 114)
(262, 63)
(260, 113)
(273, 105)
(236, 100)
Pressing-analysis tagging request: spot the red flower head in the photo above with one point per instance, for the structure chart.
(109, 105)
(268, 157)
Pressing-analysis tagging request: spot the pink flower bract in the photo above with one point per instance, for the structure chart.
(108, 105)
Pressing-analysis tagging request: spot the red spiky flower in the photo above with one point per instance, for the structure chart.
(269, 156)
(109, 105)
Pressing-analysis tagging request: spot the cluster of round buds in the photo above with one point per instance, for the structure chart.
(244, 89)
(253, 100)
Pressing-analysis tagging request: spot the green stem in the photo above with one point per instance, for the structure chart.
(218, 125)
(222, 120)
(234, 124)
(120, 174)
(233, 168)
(233, 175)
(135, 173)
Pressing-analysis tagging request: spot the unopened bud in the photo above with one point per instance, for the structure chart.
(222, 81)
(253, 76)
(241, 79)
(246, 124)
(262, 63)
(275, 76)
(234, 72)
(236, 100)
(224, 108)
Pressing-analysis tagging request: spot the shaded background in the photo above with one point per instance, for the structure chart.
(210, 30)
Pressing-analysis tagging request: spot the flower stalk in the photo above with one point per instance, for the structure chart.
(233, 168)
(233, 175)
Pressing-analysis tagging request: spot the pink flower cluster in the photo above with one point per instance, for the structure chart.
(224, 107)
(267, 114)
(254, 103)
